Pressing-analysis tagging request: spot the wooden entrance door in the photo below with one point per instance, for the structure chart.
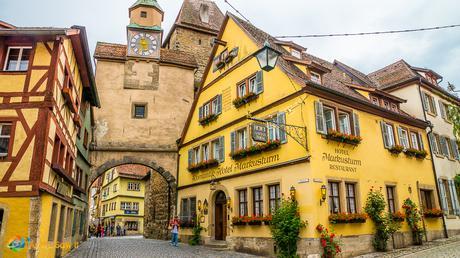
(60, 236)
(220, 218)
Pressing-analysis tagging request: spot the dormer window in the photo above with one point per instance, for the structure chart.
(144, 14)
(315, 77)
(296, 53)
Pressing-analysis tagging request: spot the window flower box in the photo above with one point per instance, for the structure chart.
(255, 221)
(240, 101)
(204, 165)
(396, 149)
(398, 216)
(419, 154)
(255, 149)
(208, 119)
(433, 213)
(345, 218)
(238, 221)
(267, 220)
(342, 137)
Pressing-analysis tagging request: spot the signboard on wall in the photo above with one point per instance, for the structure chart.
(131, 212)
(259, 132)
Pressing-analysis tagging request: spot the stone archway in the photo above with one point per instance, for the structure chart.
(160, 196)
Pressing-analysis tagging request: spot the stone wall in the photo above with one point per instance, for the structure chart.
(159, 207)
(196, 43)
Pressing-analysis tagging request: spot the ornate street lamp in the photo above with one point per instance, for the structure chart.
(267, 57)
(323, 195)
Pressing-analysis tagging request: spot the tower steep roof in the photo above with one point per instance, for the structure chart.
(150, 3)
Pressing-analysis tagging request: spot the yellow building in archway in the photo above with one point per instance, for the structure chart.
(311, 127)
(122, 200)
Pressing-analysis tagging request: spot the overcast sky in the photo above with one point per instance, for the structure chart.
(438, 50)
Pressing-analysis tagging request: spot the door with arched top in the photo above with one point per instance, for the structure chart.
(220, 218)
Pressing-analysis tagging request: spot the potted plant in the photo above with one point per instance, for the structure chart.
(396, 149)
(255, 221)
(421, 154)
(255, 149)
(203, 165)
(345, 138)
(433, 213)
(398, 216)
(238, 221)
(240, 101)
(208, 119)
(411, 152)
(343, 218)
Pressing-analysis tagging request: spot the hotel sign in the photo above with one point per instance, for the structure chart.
(259, 132)
(340, 160)
(131, 212)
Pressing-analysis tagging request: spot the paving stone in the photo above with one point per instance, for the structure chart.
(138, 247)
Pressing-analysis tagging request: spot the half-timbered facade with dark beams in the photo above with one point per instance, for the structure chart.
(44, 74)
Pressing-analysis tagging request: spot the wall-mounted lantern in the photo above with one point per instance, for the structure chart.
(267, 57)
(323, 195)
(205, 207)
(292, 192)
(229, 203)
(200, 206)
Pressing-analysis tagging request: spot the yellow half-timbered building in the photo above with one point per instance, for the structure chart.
(44, 74)
(253, 136)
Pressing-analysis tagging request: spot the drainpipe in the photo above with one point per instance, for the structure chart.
(432, 158)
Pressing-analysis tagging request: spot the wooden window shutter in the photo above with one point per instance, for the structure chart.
(385, 135)
(442, 109)
(454, 198)
(259, 82)
(455, 149)
(356, 124)
(221, 149)
(200, 113)
(190, 157)
(219, 104)
(442, 192)
(433, 144)
(320, 121)
(400, 136)
(424, 101)
(421, 143)
(233, 141)
(282, 127)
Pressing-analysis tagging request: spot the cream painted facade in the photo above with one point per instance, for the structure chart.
(446, 166)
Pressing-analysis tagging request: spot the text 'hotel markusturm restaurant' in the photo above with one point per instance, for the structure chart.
(233, 165)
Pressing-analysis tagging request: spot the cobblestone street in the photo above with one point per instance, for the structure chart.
(442, 248)
(137, 247)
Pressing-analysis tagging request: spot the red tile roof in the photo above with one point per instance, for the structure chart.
(189, 14)
(118, 52)
(133, 170)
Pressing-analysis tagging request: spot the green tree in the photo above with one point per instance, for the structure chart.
(454, 116)
(285, 228)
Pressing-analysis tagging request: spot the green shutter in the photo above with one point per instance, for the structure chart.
(282, 127)
(232, 141)
(432, 140)
(259, 82)
(320, 121)
(356, 124)
(221, 149)
(190, 157)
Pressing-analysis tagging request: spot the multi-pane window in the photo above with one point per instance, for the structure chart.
(196, 155)
(131, 225)
(344, 123)
(243, 202)
(134, 186)
(388, 135)
(125, 205)
(414, 140)
(205, 149)
(315, 77)
(332, 118)
(135, 206)
(274, 198)
(139, 111)
(212, 107)
(17, 59)
(391, 199)
(258, 202)
(5, 136)
(242, 138)
(115, 188)
(427, 199)
(276, 130)
(329, 115)
(351, 197)
(188, 209)
(429, 104)
(403, 138)
(252, 84)
(334, 197)
(242, 89)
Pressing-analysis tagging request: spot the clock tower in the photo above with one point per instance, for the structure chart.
(144, 31)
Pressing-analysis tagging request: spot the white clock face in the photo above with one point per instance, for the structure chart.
(143, 44)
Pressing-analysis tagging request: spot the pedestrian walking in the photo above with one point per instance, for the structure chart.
(124, 229)
(118, 230)
(174, 225)
(99, 231)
